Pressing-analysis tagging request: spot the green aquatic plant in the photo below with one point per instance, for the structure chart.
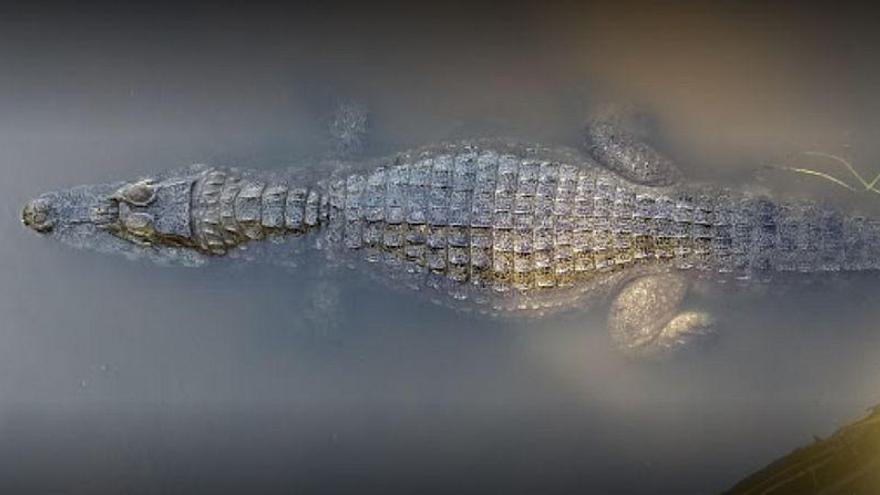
(866, 185)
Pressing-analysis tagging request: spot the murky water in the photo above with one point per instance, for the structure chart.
(123, 377)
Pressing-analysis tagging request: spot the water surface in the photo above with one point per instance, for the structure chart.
(120, 376)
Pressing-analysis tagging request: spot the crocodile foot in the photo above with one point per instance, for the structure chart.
(617, 138)
(646, 321)
(348, 128)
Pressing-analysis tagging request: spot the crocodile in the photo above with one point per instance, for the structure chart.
(513, 228)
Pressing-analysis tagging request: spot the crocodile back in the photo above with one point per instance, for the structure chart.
(485, 219)
(481, 220)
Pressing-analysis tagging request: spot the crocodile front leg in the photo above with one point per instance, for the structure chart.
(645, 318)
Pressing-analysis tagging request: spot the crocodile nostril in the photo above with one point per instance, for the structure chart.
(35, 215)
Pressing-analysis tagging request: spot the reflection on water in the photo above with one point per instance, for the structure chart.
(124, 377)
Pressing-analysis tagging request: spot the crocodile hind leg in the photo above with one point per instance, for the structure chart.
(617, 138)
(645, 318)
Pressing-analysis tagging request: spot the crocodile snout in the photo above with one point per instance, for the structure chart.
(36, 215)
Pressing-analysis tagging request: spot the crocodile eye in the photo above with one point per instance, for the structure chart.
(139, 223)
(138, 194)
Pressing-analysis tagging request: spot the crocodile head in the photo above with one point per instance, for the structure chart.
(142, 218)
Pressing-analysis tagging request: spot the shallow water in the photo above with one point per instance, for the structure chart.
(120, 376)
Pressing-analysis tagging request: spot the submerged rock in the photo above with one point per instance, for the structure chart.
(846, 463)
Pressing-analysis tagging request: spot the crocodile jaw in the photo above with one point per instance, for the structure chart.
(58, 212)
(97, 218)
